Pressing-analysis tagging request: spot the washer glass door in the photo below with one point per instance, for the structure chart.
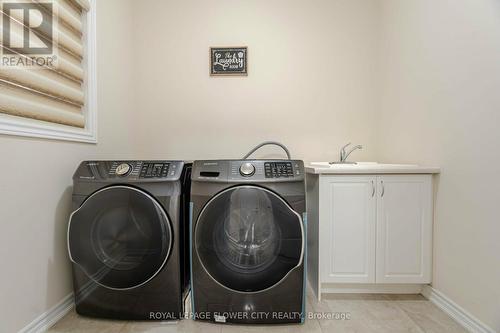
(120, 236)
(248, 238)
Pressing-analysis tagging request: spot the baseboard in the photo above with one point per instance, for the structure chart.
(47, 319)
(355, 288)
(460, 315)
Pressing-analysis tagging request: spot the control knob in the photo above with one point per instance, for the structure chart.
(123, 169)
(247, 169)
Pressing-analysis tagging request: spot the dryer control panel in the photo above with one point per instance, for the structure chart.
(141, 169)
(155, 170)
(278, 169)
(248, 170)
(126, 171)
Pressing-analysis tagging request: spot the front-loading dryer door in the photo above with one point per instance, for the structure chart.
(120, 236)
(248, 239)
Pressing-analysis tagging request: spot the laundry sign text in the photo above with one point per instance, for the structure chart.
(228, 61)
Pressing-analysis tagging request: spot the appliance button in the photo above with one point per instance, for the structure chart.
(123, 169)
(247, 169)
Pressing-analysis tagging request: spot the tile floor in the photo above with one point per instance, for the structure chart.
(368, 313)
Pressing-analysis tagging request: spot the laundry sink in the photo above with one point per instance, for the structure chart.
(359, 165)
(368, 168)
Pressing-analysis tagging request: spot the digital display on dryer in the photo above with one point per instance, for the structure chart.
(154, 170)
(278, 169)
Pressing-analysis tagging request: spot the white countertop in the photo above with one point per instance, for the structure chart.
(369, 168)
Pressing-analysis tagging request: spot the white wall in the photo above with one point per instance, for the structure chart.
(310, 82)
(156, 100)
(426, 94)
(441, 106)
(35, 185)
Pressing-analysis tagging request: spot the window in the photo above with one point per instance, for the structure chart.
(47, 69)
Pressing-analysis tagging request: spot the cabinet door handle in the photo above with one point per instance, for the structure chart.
(373, 188)
(383, 188)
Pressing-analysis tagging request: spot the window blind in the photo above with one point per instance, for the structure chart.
(52, 93)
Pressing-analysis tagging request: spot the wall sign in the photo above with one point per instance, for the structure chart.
(228, 61)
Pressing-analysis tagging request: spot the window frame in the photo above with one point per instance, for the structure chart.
(19, 126)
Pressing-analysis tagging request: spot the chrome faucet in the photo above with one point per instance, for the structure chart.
(345, 154)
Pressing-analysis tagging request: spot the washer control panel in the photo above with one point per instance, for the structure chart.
(278, 169)
(142, 169)
(126, 171)
(154, 170)
(248, 170)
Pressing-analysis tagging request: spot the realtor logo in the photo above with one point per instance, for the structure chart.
(27, 36)
(27, 28)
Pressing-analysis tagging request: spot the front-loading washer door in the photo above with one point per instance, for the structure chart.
(120, 236)
(248, 239)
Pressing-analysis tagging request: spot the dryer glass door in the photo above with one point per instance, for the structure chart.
(120, 236)
(248, 238)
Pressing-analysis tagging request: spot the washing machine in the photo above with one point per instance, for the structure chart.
(128, 239)
(248, 242)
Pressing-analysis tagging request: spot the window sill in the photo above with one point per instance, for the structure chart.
(18, 126)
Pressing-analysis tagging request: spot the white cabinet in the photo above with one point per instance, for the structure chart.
(404, 229)
(350, 206)
(370, 229)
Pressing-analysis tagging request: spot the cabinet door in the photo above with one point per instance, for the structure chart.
(404, 229)
(347, 229)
